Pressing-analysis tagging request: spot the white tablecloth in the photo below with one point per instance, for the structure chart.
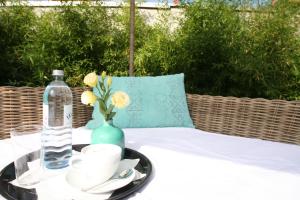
(192, 164)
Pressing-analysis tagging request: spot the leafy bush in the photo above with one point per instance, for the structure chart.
(73, 38)
(16, 23)
(117, 56)
(80, 39)
(268, 62)
(254, 54)
(222, 49)
(208, 38)
(159, 51)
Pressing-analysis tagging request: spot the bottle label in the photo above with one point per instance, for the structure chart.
(68, 115)
(45, 115)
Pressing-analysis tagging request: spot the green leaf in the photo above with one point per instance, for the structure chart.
(109, 110)
(111, 115)
(102, 107)
(102, 112)
(106, 117)
(107, 96)
(102, 86)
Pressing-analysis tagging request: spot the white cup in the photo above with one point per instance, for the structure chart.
(95, 164)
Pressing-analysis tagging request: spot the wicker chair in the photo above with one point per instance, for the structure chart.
(274, 120)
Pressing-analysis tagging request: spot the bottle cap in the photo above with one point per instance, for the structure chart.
(57, 72)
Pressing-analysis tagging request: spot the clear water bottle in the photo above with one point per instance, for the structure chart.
(57, 121)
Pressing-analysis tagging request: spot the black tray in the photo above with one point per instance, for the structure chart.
(12, 192)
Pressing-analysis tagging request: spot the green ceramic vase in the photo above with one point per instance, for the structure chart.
(107, 133)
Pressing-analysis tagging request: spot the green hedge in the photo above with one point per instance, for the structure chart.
(254, 54)
(222, 49)
(71, 38)
(15, 24)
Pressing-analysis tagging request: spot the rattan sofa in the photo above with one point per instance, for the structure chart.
(275, 120)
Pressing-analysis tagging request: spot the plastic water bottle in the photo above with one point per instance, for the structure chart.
(57, 121)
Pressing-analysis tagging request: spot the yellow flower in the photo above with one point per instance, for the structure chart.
(91, 79)
(109, 81)
(120, 99)
(103, 75)
(88, 98)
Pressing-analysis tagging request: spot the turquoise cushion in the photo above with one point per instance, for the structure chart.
(154, 102)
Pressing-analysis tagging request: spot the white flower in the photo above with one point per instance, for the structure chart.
(120, 99)
(88, 98)
(91, 79)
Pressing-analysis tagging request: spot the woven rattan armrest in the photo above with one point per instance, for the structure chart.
(23, 105)
(275, 120)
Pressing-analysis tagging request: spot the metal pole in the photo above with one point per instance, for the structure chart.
(131, 35)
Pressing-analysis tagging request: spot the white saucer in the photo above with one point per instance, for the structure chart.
(104, 187)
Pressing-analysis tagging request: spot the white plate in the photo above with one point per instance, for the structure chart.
(108, 186)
